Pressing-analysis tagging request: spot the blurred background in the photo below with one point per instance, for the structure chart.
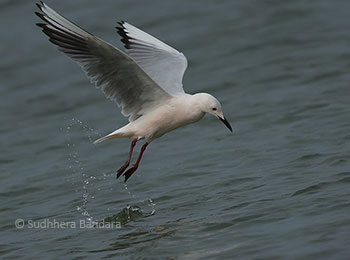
(278, 188)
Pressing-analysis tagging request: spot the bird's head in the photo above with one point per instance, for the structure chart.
(211, 105)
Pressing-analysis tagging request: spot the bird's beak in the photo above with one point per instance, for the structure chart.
(227, 124)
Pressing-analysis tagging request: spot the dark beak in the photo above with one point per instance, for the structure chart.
(227, 124)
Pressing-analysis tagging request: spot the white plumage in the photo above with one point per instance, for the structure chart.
(165, 65)
(146, 82)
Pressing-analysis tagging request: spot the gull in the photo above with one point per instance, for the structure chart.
(145, 81)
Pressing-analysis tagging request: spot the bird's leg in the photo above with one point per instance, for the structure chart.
(126, 164)
(129, 172)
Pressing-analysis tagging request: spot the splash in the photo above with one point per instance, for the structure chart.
(75, 164)
(149, 201)
(102, 185)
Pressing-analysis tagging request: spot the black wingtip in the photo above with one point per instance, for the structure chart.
(40, 15)
(41, 25)
(125, 38)
(40, 5)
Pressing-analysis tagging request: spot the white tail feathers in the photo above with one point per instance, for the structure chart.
(112, 135)
(121, 132)
(102, 139)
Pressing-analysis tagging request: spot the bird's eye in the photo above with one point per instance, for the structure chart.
(214, 109)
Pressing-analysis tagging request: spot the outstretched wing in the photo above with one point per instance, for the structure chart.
(165, 65)
(119, 77)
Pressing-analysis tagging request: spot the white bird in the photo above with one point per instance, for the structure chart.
(146, 82)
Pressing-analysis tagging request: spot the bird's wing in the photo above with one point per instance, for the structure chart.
(119, 77)
(162, 63)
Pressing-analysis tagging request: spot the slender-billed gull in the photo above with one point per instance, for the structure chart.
(146, 81)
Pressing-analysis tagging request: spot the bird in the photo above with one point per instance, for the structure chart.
(145, 80)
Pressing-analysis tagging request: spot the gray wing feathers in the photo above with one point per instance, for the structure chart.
(119, 77)
(164, 64)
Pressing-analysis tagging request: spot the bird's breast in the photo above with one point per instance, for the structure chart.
(168, 118)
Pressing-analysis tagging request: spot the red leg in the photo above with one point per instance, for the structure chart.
(136, 165)
(126, 164)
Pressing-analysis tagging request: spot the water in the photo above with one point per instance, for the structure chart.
(278, 188)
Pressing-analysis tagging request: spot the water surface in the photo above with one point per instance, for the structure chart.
(278, 188)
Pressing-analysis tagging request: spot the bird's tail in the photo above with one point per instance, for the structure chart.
(102, 139)
(115, 134)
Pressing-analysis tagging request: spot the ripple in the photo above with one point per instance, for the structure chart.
(316, 187)
(127, 214)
